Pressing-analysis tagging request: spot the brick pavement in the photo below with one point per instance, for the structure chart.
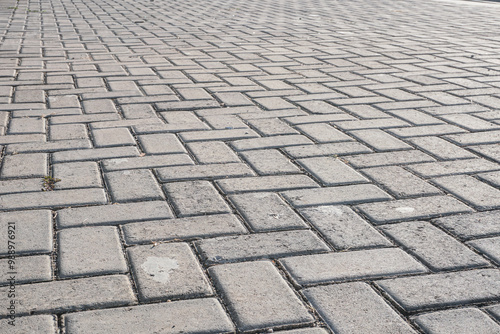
(298, 167)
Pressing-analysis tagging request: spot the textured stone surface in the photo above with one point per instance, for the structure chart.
(31, 324)
(457, 321)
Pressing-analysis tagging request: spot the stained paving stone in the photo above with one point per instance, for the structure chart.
(183, 228)
(133, 185)
(27, 269)
(351, 265)
(260, 245)
(258, 297)
(266, 212)
(343, 228)
(488, 246)
(167, 271)
(72, 295)
(113, 214)
(457, 321)
(351, 194)
(31, 324)
(33, 231)
(471, 225)
(355, 308)
(87, 251)
(412, 209)
(188, 316)
(441, 290)
(195, 198)
(432, 246)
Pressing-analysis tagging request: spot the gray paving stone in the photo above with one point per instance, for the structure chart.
(412, 209)
(488, 246)
(426, 130)
(258, 297)
(27, 269)
(197, 172)
(25, 165)
(476, 138)
(400, 182)
(221, 135)
(53, 199)
(421, 293)
(460, 321)
(26, 126)
(266, 183)
(13, 186)
(112, 137)
(441, 148)
(352, 265)
(326, 149)
(388, 159)
(32, 324)
(161, 143)
(271, 127)
(95, 154)
(71, 295)
(494, 310)
(48, 147)
(89, 251)
(77, 175)
(182, 228)
(472, 225)
(331, 171)
(433, 247)
(269, 162)
(143, 162)
(270, 142)
(261, 245)
(98, 106)
(266, 212)
(489, 151)
(343, 228)
(470, 190)
(68, 132)
(444, 168)
(371, 124)
(167, 271)
(323, 133)
(212, 152)
(188, 316)
(380, 140)
(133, 185)
(309, 330)
(351, 194)
(308, 119)
(192, 198)
(339, 306)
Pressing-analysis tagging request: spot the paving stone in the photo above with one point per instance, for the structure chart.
(489, 151)
(266, 183)
(444, 168)
(476, 138)
(98, 106)
(308, 119)
(441, 148)
(411, 209)
(220, 122)
(472, 225)
(494, 310)
(197, 172)
(269, 162)
(258, 297)
(334, 149)
(270, 142)
(84, 118)
(400, 182)
(457, 321)
(309, 330)
(470, 122)
(380, 140)
(182, 228)
(339, 306)
(421, 293)
(266, 212)
(492, 178)
(220, 135)
(68, 132)
(133, 185)
(153, 161)
(261, 245)
(71, 295)
(323, 133)
(188, 316)
(366, 111)
(371, 124)
(433, 247)
(470, 190)
(112, 137)
(113, 214)
(352, 265)
(388, 158)
(167, 271)
(32, 324)
(89, 251)
(95, 154)
(271, 127)
(488, 246)
(48, 147)
(415, 117)
(331, 172)
(351, 194)
(27, 269)
(26, 126)
(195, 198)
(212, 152)
(343, 228)
(25, 165)
(161, 143)
(53, 199)
(77, 175)
(13, 186)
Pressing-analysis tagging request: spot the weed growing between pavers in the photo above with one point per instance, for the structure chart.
(49, 183)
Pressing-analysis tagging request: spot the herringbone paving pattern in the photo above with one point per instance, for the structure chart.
(298, 167)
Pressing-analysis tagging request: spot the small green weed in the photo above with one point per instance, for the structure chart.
(49, 183)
